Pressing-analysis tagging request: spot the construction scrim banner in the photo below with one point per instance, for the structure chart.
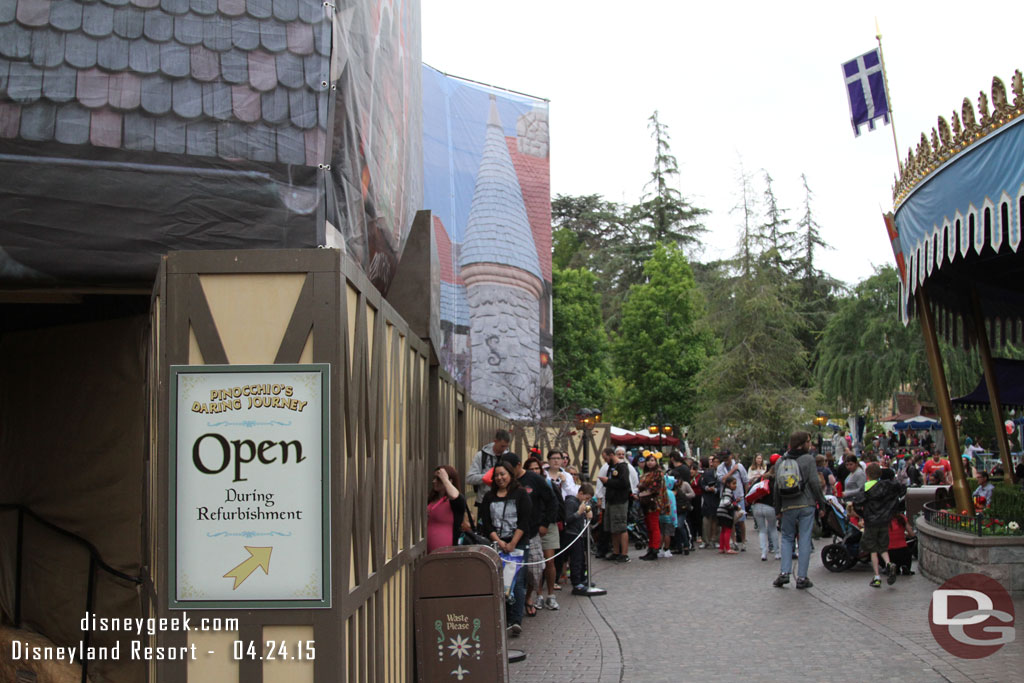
(487, 182)
(128, 130)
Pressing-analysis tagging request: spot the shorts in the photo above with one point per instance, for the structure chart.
(534, 572)
(550, 541)
(615, 518)
(667, 529)
(875, 539)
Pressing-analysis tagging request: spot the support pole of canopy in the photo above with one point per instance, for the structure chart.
(991, 382)
(961, 494)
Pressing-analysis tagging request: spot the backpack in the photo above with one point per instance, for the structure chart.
(788, 477)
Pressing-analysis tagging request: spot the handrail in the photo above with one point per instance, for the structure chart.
(95, 560)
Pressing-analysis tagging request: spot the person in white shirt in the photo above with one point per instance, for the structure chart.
(634, 477)
(559, 477)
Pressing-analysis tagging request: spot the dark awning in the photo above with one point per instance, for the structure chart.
(1010, 378)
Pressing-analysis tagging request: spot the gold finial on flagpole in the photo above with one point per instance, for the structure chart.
(888, 97)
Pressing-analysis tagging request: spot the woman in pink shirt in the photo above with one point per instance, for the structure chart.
(446, 509)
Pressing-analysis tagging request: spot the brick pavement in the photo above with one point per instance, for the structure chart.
(717, 617)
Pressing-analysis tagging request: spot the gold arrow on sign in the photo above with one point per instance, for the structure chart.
(258, 557)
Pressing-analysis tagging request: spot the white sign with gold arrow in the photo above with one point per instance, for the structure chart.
(250, 480)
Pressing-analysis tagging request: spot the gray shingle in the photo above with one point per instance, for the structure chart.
(5, 71)
(201, 138)
(322, 39)
(174, 6)
(170, 136)
(25, 82)
(217, 34)
(286, 10)
(72, 126)
(146, 4)
(245, 33)
(174, 60)
(205, 64)
(322, 100)
(231, 141)
(15, 41)
(65, 15)
(139, 132)
(234, 66)
(289, 70)
(156, 94)
(291, 146)
(116, 3)
(47, 48)
(273, 35)
(158, 26)
(8, 10)
(187, 97)
(144, 56)
(274, 105)
(188, 29)
(302, 108)
(260, 143)
(261, 9)
(37, 121)
(204, 7)
(316, 71)
(311, 11)
(128, 22)
(80, 51)
(112, 54)
(33, 12)
(59, 85)
(217, 100)
(97, 19)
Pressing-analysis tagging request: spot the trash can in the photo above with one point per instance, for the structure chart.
(460, 616)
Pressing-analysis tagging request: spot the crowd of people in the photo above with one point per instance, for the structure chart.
(674, 505)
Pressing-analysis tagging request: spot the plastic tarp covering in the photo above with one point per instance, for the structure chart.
(487, 183)
(132, 128)
(73, 446)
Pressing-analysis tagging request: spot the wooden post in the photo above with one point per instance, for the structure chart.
(931, 346)
(992, 382)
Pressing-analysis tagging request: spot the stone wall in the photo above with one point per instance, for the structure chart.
(505, 347)
(943, 554)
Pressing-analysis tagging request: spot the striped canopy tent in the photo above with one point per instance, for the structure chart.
(625, 437)
(956, 237)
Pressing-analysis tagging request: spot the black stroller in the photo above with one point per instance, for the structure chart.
(636, 527)
(844, 551)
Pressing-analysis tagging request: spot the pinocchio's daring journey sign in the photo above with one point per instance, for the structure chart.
(249, 486)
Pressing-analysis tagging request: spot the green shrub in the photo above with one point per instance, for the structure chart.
(1007, 503)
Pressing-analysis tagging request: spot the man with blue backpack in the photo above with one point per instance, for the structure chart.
(797, 491)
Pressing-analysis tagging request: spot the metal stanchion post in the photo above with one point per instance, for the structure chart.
(591, 590)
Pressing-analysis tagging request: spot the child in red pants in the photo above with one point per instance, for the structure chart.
(726, 514)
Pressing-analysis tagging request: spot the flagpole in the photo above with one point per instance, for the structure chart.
(888, 97)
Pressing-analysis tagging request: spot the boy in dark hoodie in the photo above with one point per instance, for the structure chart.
(878, 507)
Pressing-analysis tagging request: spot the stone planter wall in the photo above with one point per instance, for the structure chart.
(942, 554)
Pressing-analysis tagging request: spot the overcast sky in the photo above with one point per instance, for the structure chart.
(752, 82)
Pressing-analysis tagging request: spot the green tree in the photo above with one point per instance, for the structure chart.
(664, 213)
(775, 234)
(866, 353)
(582, 360)
(663, 341)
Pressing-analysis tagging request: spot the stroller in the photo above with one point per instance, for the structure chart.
(844, 551)
(636, 527)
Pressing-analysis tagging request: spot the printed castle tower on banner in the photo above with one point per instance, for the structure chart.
(504, 285)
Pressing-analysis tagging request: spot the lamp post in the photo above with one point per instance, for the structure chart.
(661, 429)
(820, 420)
(586, 418)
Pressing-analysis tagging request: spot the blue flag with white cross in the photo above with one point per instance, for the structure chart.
(865, 86)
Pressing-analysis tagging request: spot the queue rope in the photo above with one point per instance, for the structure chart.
(548, 559)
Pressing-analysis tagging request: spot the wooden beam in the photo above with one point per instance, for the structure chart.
(992, 382)
(961, 494)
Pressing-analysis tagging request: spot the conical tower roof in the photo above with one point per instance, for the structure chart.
(498, 230)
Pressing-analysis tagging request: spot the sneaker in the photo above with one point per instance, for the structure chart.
(580, 589)
(551, 603)
(778, 556)
(781, 580)
(764, 558)
(611, 557)
(539, 602)
(514, 630)
(907, 571)
(891, 569)
(665, 553)
(876, 582)
(804, 583)
(701, 545)
(743, 547)
(649, 556)
(686, 551)
(622, 559)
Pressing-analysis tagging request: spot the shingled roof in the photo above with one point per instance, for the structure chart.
(236, 79)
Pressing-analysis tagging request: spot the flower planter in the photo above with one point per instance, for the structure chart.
(943, 553)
